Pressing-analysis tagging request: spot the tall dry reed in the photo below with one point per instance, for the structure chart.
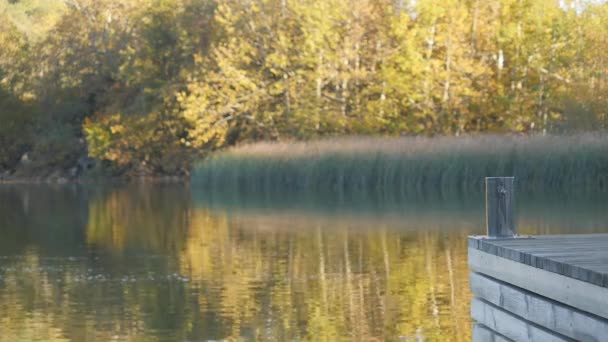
(576, 163)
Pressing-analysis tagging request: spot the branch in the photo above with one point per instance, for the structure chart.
(557, 76)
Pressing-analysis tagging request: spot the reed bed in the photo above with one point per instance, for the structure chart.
(406, 165)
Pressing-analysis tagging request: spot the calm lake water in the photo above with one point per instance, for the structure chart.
(167, 263)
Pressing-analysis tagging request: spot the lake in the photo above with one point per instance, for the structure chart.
(169, 263)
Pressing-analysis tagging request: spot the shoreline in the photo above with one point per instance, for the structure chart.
(86, 180)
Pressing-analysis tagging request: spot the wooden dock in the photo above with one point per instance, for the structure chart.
(536, 288)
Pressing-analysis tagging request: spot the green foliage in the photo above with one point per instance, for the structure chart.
(53, 150)
(409, 165)
(14, 130)
(147, 144)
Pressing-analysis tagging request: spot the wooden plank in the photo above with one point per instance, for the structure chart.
(582, 257)
(509, 325)
(573, 292)
(500, 199)
(549, 314)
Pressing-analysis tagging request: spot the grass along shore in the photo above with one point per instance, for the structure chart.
(576, 163)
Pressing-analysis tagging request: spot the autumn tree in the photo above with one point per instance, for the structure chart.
(146, 86)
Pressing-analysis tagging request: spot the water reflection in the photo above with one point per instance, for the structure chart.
(144, 262)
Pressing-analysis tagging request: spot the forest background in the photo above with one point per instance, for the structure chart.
(148, 87)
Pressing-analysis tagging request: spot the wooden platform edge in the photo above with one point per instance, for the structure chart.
(572, 292)
(481, 333)
(545, 312)
(509, 325)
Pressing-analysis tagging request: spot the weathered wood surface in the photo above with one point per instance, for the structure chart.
(582, 257)
(573, 292)
(509, 325)
(481, 333)
(500, 201)
(539, 310)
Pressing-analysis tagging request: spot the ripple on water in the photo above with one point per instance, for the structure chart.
(127, 278)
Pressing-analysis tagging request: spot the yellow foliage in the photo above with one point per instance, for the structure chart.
(207, 74)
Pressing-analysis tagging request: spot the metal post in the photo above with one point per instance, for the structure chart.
(500, 202)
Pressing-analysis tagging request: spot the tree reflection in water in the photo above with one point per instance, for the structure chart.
(144, 262)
